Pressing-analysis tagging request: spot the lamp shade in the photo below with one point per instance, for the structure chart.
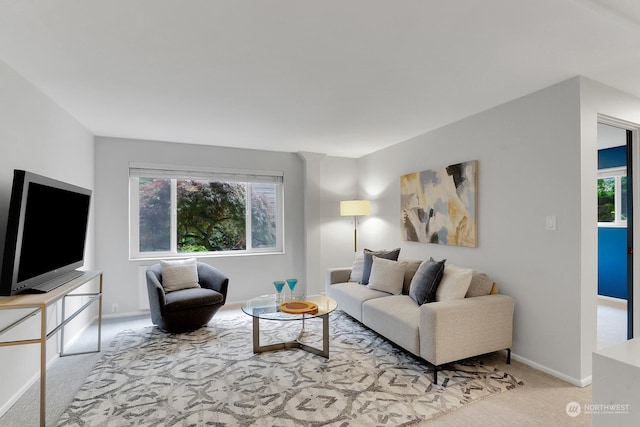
(355, 208)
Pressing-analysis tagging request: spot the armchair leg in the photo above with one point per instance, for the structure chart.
(508, 356)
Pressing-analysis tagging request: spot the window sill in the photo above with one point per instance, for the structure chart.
(160, 257)
(612, 225)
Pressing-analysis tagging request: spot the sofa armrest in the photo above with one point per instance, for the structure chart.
(457, 329)
(337, 275)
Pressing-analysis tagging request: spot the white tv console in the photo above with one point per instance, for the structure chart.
(616, 385)
(39, 304)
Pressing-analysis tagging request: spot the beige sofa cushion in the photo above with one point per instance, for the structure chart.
(480, 285)
(368, 261)
(396, 317)
(454, 284)
(350, 297)
(387, 275)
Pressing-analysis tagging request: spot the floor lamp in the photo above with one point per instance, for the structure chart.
(355, 208)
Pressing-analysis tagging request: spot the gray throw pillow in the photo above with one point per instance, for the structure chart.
(426, 280)
(368, 261)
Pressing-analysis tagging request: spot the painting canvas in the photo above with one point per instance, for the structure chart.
(439, 205)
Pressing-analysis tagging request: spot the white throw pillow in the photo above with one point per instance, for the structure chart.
(454, 284)
(180, 274)
(357, 268)
(387, 275)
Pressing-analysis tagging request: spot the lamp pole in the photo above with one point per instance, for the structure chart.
(355, 233)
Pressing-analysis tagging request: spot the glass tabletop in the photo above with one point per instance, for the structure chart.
(265, 307)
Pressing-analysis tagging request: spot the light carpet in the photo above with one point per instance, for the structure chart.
(210, 377)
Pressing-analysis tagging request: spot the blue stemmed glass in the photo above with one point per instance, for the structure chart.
(279, 285)
(291, 283)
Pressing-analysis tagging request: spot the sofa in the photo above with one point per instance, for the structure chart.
(447, 328)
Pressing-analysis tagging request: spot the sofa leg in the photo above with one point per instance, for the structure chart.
(435, 374)
(508, 356)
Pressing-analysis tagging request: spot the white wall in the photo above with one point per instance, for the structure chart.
(537, 157)
(36, 135)
(312, 220)
(529, 161)
(339, 181)
(598, 100)
(249, 276)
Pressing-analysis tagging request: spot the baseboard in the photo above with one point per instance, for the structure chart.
(577, 382)
(232, 306)
(126, 314)
(227, 306)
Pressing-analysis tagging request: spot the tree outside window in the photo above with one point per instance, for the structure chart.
(211, 216)
(182, 216)
(155, 215)
(612, 197)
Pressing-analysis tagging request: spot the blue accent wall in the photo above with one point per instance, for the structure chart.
(612, 242)
(612, 157)
(612, 262)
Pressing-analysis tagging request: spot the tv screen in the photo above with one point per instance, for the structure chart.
(46, 234)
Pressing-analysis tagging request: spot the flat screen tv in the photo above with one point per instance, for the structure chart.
(46, 234)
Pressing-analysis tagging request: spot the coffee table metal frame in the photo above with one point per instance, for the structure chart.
(265, 308)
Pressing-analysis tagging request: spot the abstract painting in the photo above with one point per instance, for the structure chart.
(439, 205)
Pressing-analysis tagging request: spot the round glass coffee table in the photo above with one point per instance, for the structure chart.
(266, 308)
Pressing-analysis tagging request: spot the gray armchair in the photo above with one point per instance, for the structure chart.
(186, 309)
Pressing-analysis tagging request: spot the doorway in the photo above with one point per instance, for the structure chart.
(615, 234)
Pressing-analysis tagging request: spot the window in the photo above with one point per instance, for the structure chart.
(612, 197)
(177, 211)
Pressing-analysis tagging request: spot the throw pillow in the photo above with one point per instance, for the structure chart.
(426, 280)
(387, 275)
(357, 267)
(179, 274)
(368, 261)
(409, 272)
(481, 284)
(454, 284)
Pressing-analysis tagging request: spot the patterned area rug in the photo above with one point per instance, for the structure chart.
(211, 377)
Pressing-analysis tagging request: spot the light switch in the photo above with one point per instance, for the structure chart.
(551, 222)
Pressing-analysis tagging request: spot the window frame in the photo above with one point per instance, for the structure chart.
(177, 172)
(617, 173)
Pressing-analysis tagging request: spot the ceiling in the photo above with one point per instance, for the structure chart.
(341, 77)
